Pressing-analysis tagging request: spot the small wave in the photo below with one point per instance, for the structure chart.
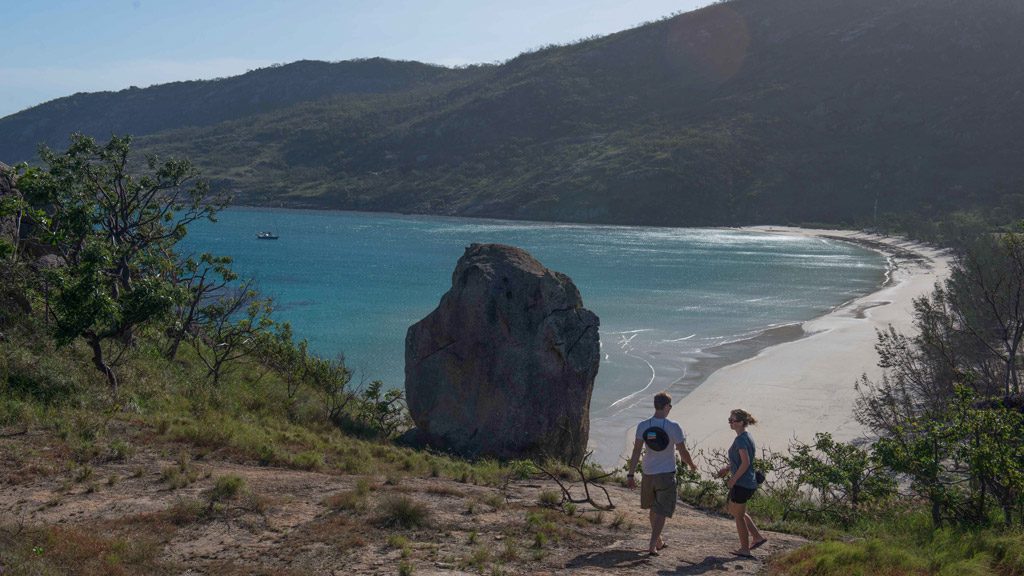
(756, 333)
(681, 339)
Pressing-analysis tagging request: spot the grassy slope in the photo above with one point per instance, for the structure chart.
(171, 433)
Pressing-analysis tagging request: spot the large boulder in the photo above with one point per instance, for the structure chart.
(505, 365)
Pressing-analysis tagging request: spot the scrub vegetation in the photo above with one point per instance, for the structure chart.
(125, 363)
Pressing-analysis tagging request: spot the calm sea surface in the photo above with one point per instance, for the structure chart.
(352, 283)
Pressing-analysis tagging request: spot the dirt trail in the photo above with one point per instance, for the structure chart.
(297, 522)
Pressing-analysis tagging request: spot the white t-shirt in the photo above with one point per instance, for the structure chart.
(663, 461)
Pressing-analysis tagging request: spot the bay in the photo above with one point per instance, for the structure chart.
(668, 298)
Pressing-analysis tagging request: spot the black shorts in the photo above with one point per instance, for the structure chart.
(740, 495)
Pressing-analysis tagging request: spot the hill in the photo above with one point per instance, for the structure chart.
(744, 112)
(141, 111)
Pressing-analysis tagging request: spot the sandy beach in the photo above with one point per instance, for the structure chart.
(804, 386)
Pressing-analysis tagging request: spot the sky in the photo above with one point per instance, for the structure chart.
(54, 48)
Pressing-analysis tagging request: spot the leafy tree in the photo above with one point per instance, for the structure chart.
(13, 274)
(964, 461)
(969, 333)
(940, 405)
(278, 351)
(991, 453)
(380, 413)
(230, 325)
(844, 477)
(330, 379)
(918, 453)
(297, 366)
(986, 297)
(116, 232)
(197, 282)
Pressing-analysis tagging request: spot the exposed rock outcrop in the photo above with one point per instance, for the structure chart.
(505, 365)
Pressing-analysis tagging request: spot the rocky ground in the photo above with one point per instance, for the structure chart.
(170, 512)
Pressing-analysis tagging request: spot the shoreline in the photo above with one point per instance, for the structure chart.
(805, 385)
(607, 435)
(611, 436)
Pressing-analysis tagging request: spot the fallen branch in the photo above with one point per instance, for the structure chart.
(567, 490)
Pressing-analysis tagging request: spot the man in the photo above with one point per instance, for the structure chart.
(658, 486)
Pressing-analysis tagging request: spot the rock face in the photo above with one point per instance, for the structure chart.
(505, 365)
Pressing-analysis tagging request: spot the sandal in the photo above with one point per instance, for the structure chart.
(758, 544)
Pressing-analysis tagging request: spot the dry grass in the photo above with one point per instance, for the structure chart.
(69, 550)
(400, 511)
(445, 490)
(347, 501)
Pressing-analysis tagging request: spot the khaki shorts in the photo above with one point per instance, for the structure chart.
(658, 492)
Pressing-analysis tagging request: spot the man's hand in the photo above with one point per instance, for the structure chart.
(631, 482)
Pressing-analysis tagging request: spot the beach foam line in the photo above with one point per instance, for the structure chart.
(681, 339)
(654, 375)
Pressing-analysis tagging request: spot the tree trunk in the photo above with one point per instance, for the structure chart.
(172, 351)
(100, 363)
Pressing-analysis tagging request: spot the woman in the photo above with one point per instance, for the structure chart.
(742, 481)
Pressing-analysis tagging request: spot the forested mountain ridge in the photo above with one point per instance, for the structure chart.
(748, 111)
(141, 111)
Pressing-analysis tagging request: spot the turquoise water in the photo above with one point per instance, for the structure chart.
(352, 283)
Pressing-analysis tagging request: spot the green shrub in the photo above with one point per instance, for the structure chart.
(477, 559)
(120, 451)
(363, 487)
(495, 500)
(309, 460)
(550, 499)
(907, 544)
(399, 511)
(227, 487)
(13, 411)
